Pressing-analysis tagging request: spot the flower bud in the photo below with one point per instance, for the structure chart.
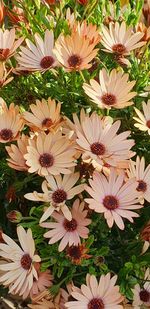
(14, 216)
(83, 2)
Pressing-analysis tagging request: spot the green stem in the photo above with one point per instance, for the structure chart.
(82, 76)
(29, 219)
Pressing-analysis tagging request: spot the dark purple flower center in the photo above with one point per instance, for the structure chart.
(74, 252)
(108, 99)
(144, 295)
(47, 122)
(46, 160)
(74, 61)
(4, 54)
(47, 62)
(96, 303)
(59, 196)
(70, 226)
(148, 123)
(26, 261)
(110, 202)
(98, 149)
(6, 134)
(142, 186)
(119, 48)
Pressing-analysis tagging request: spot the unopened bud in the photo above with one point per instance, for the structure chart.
(83, 2)
(14, 216)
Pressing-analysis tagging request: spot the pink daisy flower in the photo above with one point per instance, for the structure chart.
(57, 190)
(96, 295)
(142, 176)
(141, 294)
(113, 197)
(68, 231)
(38, 56)
(98, 141)
(19, 265)
(43, 282)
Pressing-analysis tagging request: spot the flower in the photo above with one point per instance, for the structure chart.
(78, 253)
(99, 295)
(141, 294)
(65, 295)
(120, 39)
(50, 154)
(142, 176)
(16, 153)
(42, 300)
(145, 235)
(74, 51)
(99, 142)
(45, 115)
(10, 123)
(44, 281)
(8, 45)
(112, 91)
(68, 231)
(39, 56)
(88, 31)
(143, 122)
(113, 197)
(146, 30)
(16, 15)
(19, 268)
(57, 190)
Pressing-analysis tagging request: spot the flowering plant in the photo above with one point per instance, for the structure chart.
(74, 141)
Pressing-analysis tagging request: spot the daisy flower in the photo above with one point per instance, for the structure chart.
(43, 282)
(112, 91)
(57, 190)
(77, 253)
(16, 153)
(142, 176)
(50, 154)
(88, 31)
(68, 231)
(146, 30)
(120, 39)
(45, 115)
(74, 52)
(97, 294)
(8, 45)
(65, 295)
(38, 56)
(99, 142)
(10, 122)
(19, 265)
(141, 294)
(113, 198)
(143, 119)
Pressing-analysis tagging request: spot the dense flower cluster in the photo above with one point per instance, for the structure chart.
(83, 175)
